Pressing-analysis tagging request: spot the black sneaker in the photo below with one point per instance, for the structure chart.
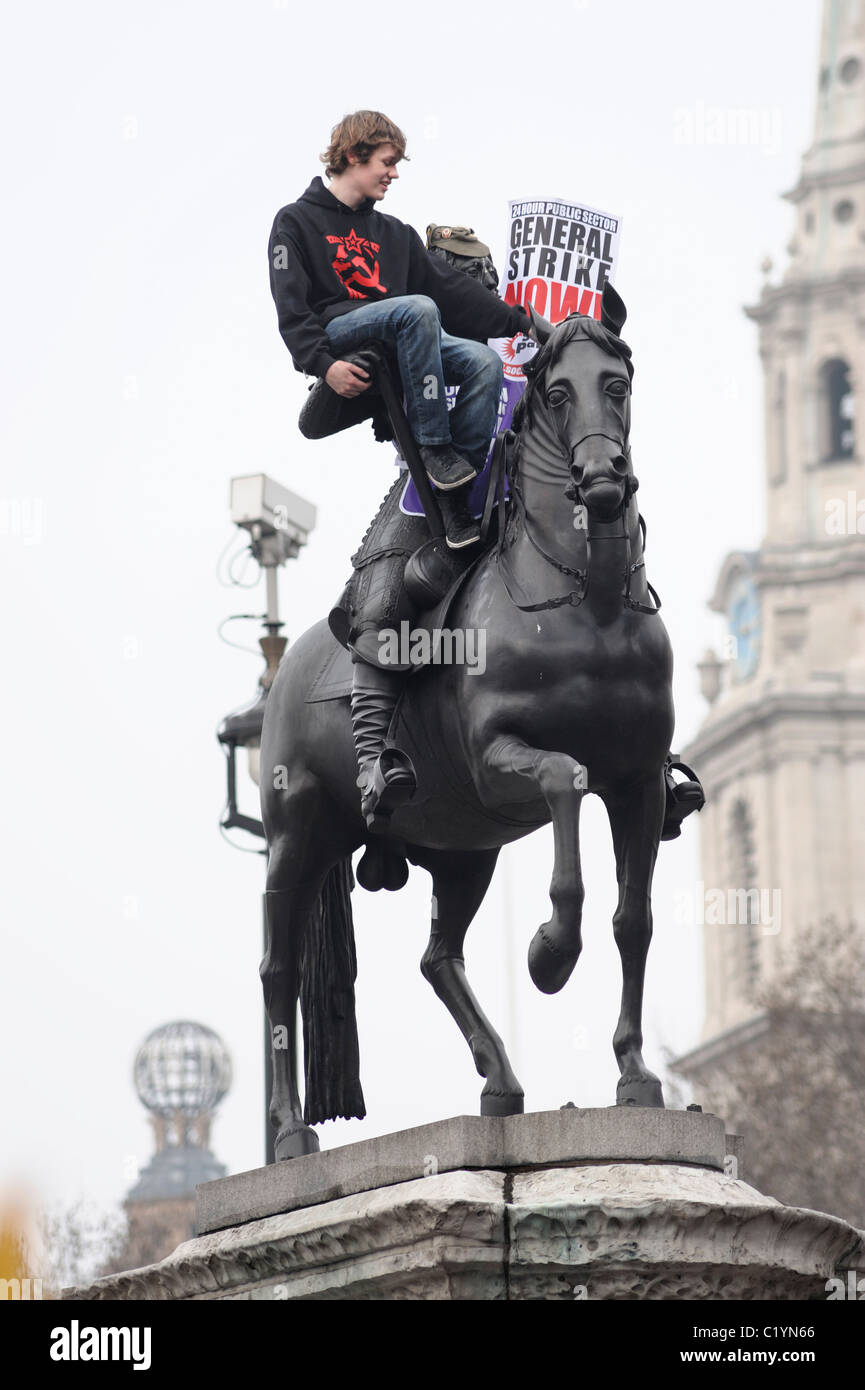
(445, 467)
(461, 528)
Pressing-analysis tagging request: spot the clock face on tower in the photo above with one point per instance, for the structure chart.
(745, 627)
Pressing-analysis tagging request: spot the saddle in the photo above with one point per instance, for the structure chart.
(400, 574)
(403, 566)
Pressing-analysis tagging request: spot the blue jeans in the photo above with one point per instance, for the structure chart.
(429, 359)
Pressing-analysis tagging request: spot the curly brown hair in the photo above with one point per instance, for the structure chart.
(359, 134)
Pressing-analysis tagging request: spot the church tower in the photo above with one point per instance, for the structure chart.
(782, 751)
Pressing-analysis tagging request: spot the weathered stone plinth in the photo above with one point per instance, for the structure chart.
(600, 1204)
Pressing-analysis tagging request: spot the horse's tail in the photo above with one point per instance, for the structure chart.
(328, 970)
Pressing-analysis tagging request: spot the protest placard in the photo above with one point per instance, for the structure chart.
(560, 255)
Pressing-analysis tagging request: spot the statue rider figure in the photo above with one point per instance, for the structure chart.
(343, 274)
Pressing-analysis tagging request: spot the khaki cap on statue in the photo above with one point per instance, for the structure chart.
(460, 240)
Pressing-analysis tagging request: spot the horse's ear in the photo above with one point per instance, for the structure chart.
(543, 328)
(613, 311)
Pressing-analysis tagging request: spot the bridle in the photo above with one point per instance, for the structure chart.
(504, 468)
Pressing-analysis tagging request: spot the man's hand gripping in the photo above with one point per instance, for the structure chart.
(347, 379)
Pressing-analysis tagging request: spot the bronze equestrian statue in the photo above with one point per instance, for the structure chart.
(576, 698)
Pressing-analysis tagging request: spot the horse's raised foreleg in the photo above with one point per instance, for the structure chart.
(636, 816)
(561, 780)
(460, 881)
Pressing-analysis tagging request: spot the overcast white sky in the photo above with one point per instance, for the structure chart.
(147, 148)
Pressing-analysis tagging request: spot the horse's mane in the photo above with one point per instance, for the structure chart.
(574, 326)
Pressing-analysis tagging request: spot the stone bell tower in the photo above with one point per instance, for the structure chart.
(782, 750)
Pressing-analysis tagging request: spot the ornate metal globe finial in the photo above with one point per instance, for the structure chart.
(181, 1073)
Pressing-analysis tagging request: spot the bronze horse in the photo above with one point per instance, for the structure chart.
(576, 698)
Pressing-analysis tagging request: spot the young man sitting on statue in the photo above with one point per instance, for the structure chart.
(343, 274)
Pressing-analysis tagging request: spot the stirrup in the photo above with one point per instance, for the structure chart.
(390, 783)
(682, 797)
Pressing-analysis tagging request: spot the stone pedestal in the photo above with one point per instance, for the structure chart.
(620, 1203)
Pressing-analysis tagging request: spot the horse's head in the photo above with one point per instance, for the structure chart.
(576, 407)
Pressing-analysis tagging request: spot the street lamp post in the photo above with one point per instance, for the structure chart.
(279, 524)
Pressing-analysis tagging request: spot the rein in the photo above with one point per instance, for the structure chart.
(503, 469)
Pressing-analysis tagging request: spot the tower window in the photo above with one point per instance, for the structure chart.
(850, 69)
(838, 439)
(844, 211)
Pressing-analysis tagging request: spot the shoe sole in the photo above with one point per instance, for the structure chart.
(461, 545)
(448, 487)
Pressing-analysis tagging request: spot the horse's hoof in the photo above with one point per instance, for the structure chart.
(640, 1090)
(294, 1141)
(511, 1104)
(549, 967)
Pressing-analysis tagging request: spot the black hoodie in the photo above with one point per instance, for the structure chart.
(326, 259)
